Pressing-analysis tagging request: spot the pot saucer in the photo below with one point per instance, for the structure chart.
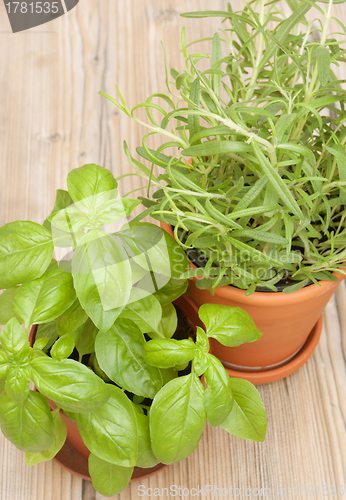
(69, 459)
(266, 376)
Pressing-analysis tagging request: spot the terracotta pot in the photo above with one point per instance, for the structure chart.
(285, 320)
(74, 454)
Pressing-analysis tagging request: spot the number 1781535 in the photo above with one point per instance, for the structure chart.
(32, 7)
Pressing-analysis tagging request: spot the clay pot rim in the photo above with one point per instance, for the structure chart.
(264, 298)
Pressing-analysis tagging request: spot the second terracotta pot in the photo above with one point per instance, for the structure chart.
(285, 320)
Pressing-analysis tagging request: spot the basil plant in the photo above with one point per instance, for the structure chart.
(105, 350)
(252, 154)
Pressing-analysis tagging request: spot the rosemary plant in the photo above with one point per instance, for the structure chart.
(256, 183)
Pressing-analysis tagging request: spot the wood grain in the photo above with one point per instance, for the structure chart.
(52, 120)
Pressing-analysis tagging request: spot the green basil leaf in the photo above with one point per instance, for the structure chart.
(154, 249)
(139, 239)
(218, 398)
(14, 341)
(69, 222)
(169, 322)
(77, 333)
(169, 374)
(40, 344)
(86, 340)
(202, 341)
(70, 415)
(165, 353)
(115, 210)
(146, 457)
(200, 363)
(71, 385)
(120, 353)
(44, 299)
(91, 186)
(26, 249)
(177, 417)
(171, 291)
(137, 400)
(17, 383)
(47, 331)
(71, 319)
(145, 313)
(63, 347)
(108, 479)
(102, 278)
(231, 326)
(110, 432)
(28, 425)
(99, 372)
(62, 200)
(247, 419)
(3, 363)
(59, 440)
(6, 305)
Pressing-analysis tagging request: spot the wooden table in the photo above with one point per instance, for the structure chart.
(52, 120)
